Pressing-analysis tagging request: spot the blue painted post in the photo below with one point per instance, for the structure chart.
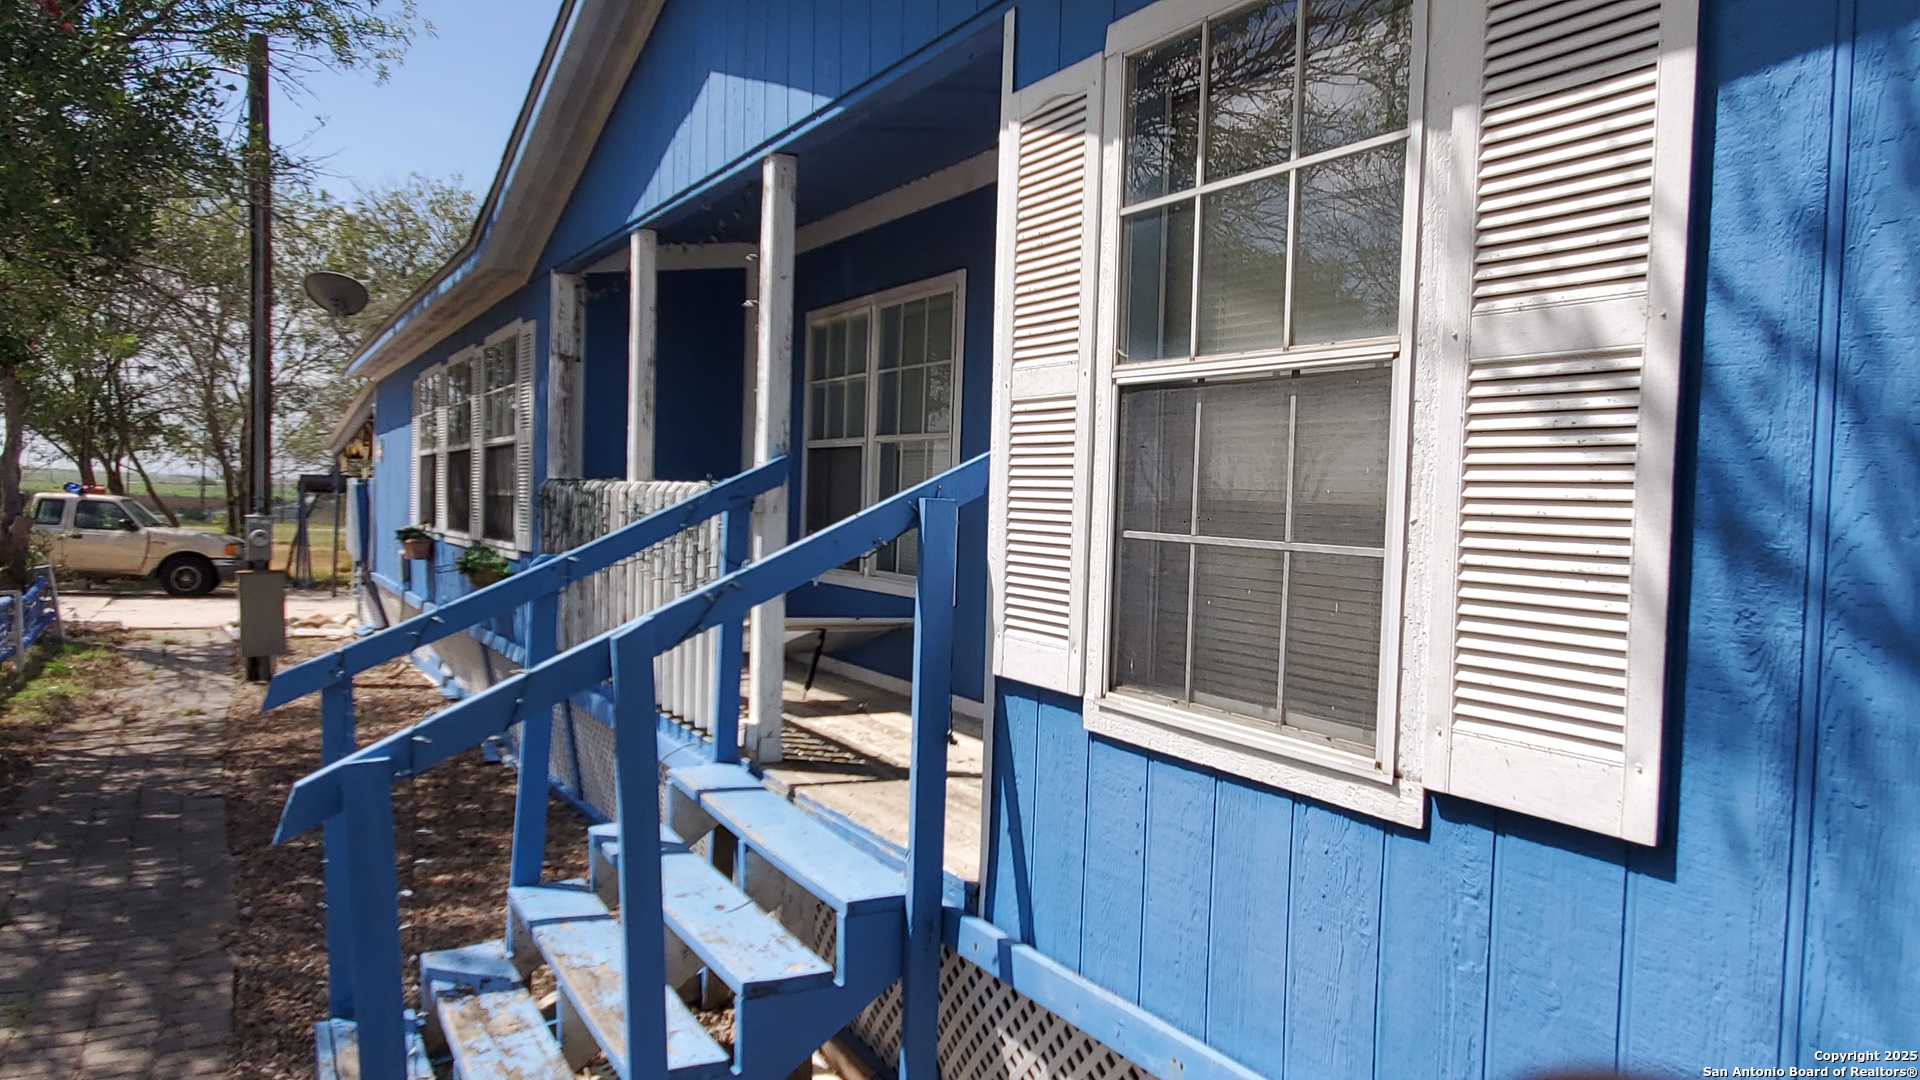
(735, 540)
(536, 743)
(336, 742)
(637, 814)
(373, 903)
(927, 780)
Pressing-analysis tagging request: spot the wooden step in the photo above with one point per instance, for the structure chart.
(813, 855)
(581, 941)
(336, 1048)
(744, 946)
(491, 1024)
(603, 858)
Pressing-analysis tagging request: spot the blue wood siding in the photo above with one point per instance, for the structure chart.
(1778, 914)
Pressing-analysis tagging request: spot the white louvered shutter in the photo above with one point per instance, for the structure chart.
(1043, 352)
(523, 442)
(1573, 360)
(564, 340)
(413, 456)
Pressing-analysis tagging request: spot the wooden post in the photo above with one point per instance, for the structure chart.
(643, 313)
(734, 544)
(373, 902)
(773, 396)
(637, 814)
(536, 745)
(336, 742)
(927, 784)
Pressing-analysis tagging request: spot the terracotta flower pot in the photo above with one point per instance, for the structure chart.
(418, 548)
(483, 578)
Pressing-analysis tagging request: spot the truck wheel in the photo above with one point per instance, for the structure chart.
(188, 575)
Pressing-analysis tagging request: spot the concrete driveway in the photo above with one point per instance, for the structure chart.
(309, 614)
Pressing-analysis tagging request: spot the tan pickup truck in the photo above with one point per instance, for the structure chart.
(111, 536)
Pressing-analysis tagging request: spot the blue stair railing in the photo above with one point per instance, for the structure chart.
(355, 791)
(538, 589)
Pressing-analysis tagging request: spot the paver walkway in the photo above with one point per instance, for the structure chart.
(116, 882)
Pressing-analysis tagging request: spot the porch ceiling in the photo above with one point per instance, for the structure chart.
(944, 112)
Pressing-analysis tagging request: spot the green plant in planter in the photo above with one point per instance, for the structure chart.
(482, 565)
(417, 541)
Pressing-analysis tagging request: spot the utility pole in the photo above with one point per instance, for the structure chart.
(262, 593)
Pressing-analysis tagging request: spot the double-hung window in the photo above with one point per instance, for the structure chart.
(1262, 192)
(882, 402)
(472, 450)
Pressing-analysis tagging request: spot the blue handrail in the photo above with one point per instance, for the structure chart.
(538, 588)
(349, 793)
(467, 723)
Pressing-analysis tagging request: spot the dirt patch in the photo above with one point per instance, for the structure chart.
(56, 683)
(453, 830)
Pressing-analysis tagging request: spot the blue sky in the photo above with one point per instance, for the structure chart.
(447, 108)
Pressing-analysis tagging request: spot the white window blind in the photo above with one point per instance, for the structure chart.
(1573, 354)
(1043, 351)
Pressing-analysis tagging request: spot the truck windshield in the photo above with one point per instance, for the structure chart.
(141, 514)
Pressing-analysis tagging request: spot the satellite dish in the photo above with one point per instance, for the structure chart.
(339, 294)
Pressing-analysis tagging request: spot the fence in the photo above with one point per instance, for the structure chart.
(574, 512)
(27, 616)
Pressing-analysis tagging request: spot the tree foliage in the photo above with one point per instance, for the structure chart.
(114, 110)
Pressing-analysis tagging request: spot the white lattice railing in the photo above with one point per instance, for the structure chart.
(576, 511)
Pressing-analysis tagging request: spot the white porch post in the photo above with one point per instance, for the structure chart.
(773, 394)
(643, 312)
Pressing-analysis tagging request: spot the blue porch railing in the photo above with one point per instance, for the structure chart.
(354, 793)
(537, 589)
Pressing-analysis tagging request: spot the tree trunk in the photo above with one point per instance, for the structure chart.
(84, 460)
(151, 492)
(16, 532)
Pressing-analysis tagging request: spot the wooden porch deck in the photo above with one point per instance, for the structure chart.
(846, 752)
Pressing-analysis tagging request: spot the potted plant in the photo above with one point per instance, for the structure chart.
(482, 566)
(417, 541)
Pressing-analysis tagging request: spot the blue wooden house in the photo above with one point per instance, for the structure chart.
(1416, 498)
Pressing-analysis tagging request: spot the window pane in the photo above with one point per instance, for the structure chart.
(1346, 280)
(460, 490)
(1357, 61)
(833, 485)
(913, 389)
(836, 410)
(459, 405)
(1340, 457)
(890, 337)
(96, 514)
(497, 507)
(1163, 118)
(1156, 459)
(939, 398)
(913, 333)
(817, 353)
(1236, 628)
(1333, 644)
(49, 511)
(1150, 618)
(429, 509)
(858, 332)
(1157, 290)
(1243, 268)
(1243, 461)
(857, 407)
(940, 328)
(889, 404)
(817, 413)
(902, 465)
(837, 348)
(1250, 80)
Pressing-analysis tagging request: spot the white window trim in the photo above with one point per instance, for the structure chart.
(1388, 784)
(867, 578)
(474, 356)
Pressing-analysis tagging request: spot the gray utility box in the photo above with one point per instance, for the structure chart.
(263, 612)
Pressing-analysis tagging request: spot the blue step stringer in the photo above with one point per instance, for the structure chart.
(630, 946)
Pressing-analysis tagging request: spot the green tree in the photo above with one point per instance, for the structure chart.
(115, 108)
